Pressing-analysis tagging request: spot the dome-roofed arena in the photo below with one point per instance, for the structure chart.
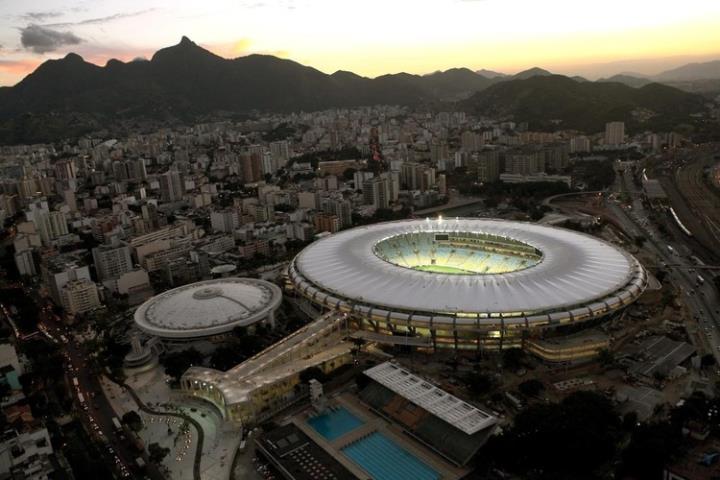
(208, 308)
(465, 283)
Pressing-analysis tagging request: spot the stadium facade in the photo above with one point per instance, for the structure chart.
(465, 284)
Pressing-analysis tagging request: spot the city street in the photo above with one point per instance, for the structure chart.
(93, 408)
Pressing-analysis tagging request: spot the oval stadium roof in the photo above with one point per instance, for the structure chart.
(575, 271)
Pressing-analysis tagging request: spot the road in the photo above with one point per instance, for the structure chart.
(93, 409)
(701, 299)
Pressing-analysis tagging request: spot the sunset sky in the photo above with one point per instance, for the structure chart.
(372, 37)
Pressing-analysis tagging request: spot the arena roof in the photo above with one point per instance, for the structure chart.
(576, 275)
(207, 308)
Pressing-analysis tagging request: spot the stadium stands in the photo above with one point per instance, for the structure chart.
(451, 427)
(466, 254)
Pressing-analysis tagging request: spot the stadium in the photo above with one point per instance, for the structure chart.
(464, 284)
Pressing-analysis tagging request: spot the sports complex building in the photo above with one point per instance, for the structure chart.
(465, 284)
(208, 308)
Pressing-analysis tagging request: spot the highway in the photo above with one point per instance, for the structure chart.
(701, 299)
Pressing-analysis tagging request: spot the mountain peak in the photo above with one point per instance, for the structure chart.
(490, 73)
(532, 72)
(183, 50)
(73, 57)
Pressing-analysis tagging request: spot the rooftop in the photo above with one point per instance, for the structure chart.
(422, 393)
(573, 270)
(207, 308)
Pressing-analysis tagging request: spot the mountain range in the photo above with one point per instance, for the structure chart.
(70, 96)
(548, 101)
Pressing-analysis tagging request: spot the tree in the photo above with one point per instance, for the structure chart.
(177, 362)
(707, 360)
(227, 356)
(358, 343)
(651, 447)
(513, 358)
(531, 388)
(480, 383)
(569, 439)
(630, 420)
(132, 419)
(606, 357)
(349, 174)
(156, 453)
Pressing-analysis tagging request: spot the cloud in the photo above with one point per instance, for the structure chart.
(101, 20)
(41, 39)
(40, 16)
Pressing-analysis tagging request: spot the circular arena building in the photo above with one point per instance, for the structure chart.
(209, 308)
(465, 283)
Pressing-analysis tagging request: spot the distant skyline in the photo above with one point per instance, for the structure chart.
(372, 37)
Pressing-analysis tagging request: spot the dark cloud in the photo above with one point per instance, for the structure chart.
(101, 20)
(41, 39)
(40, 16)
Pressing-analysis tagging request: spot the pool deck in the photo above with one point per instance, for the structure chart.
(373, 423)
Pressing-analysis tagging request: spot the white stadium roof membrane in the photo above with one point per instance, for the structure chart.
(576, 271)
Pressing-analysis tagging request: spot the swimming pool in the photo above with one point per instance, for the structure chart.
(384, 459)
(335, 423)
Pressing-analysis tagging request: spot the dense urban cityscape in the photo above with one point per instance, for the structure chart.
(218, 269)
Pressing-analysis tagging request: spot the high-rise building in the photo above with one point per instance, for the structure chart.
(308, 200)
(360, 177)
(442, 184)
(70, 200)
(111, 261)
(377, 191)
(25, 263)
(326, 222)
(225, 221)
(556, 156)
(525, 163)
(579, 144)
(79, 296)
(66, 169)
(339, 207)
(439, 151)
(251, 165)
(417, 176)
(136, 170)
(59, 270)
(488, 166)
(49, 225)
(471, 141)
(614, 133)
(171, 186)
(280, 152)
